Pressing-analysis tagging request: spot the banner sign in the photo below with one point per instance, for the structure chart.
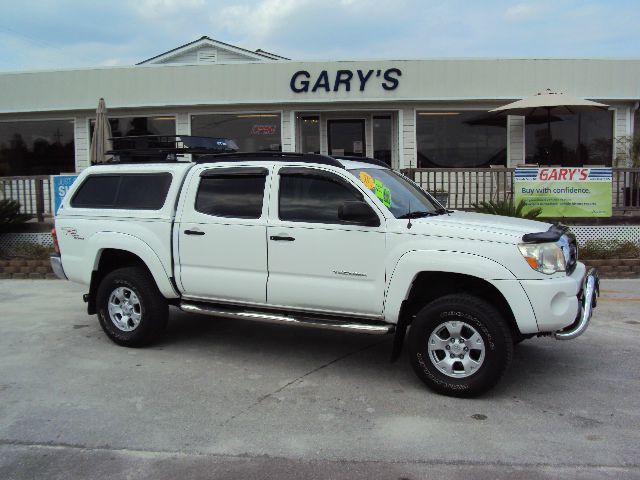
(60, 187)
(565, 191)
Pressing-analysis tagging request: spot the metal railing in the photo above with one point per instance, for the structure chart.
(33, 193)
(469, 186)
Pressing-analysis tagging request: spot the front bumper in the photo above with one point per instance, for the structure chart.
(588, 298)
(56, 266)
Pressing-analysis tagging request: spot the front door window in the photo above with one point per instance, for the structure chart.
(346, 137)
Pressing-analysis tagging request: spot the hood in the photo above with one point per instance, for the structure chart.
(478, 226)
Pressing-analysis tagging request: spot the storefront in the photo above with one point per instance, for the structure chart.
(408, 113)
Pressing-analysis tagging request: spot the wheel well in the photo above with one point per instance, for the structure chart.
(428, 286)
(110, 260)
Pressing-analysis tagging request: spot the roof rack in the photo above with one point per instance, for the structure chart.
(271, 156)
(165, 148)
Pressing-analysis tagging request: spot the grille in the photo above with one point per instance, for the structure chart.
(572, 256)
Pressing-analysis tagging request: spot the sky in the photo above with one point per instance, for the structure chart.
(36, 35)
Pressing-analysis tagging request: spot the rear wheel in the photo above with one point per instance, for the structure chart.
(460, 345)
(131, 310)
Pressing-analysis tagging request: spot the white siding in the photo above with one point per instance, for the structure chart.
(225, 56)
(515, 140)
(186, 57)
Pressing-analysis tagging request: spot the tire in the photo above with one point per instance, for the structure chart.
(480, 334)
(131, 309)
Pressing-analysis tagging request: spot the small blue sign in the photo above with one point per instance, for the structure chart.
(61, 184)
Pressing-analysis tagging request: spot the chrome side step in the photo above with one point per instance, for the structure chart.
(299, 320)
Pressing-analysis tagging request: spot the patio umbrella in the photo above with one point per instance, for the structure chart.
(548, 103)
(101, 141)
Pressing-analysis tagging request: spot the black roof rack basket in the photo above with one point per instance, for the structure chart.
(166, 148)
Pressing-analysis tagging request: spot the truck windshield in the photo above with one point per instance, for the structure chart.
(400, 196)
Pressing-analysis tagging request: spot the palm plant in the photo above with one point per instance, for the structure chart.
(10, 214)
(507, 208)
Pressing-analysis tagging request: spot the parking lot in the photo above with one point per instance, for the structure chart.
(224, 398)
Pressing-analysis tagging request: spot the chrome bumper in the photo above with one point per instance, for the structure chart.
(588, 297)
(56, 266)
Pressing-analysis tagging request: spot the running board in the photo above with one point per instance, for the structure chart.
(297, 321)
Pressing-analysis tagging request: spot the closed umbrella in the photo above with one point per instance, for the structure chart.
(101, 141)
(548, 103)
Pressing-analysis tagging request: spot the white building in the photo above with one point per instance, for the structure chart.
(425, 113)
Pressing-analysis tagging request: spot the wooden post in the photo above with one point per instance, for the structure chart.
(39, 199)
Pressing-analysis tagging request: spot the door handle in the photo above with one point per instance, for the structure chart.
(194, 232)
(281, 238)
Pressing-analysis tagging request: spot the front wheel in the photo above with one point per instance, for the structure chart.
(460, 345)
(131, 310)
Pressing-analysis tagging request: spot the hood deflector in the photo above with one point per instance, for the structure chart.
(552, 235)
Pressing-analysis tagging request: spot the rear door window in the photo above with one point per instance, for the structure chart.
(232, 192)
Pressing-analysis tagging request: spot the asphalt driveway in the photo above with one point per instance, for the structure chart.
(231, 399)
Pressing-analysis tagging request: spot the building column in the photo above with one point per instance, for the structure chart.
(515, 140)
(81, 142)
(183, 124)
(407, 138)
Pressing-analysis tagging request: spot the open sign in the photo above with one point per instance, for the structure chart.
(263, 130)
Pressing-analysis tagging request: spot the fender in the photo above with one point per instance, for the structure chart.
(129, 243)
(412, 263)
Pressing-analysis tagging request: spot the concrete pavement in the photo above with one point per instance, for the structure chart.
(224, 398)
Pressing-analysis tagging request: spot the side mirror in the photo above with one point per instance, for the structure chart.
(358, 213)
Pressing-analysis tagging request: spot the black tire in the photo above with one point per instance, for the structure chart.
(461, 309)
(151, 306)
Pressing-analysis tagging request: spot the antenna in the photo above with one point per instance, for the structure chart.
(409, 223)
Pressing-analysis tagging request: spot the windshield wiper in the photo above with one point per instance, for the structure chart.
(418, 214)
(442, 211)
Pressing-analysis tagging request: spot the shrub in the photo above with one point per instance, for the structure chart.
(28, 250)
(10, 214)
(603, 249)
(507, 208)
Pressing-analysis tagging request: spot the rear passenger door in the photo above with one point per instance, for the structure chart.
(221, 235)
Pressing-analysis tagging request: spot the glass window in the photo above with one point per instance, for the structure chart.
(382, 138)
(576, 140)
(309, 134)
(252, 132)
(146, 191)
(235, 196)
(346, 138)
(460, 139)
(132, 126)
(398, 194)
(313, 198)
(42, 147)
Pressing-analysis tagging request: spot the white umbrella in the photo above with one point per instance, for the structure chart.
(548, 103)
(101, 143)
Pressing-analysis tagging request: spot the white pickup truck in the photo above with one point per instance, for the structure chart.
(310, 240)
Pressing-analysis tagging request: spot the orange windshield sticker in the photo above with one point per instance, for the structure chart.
(367, 180)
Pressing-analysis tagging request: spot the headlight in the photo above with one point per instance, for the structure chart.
(543, 257)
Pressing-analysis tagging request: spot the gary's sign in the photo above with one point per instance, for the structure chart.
(565, 192)
(344, 80)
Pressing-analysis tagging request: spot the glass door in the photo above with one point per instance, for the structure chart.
(346, 137)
